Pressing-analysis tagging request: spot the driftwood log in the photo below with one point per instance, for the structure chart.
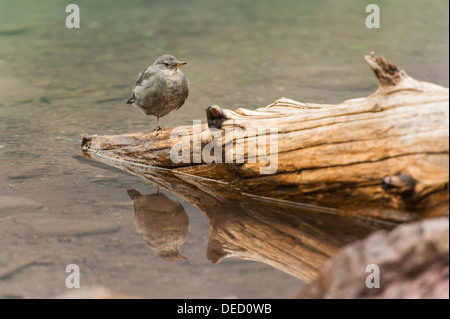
(385, 156)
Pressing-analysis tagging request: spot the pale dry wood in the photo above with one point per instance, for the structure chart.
(342, 156)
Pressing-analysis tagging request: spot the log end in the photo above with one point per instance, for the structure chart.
(86, 142)
(401, 184)
(391, 78)
(216, 116)
(108, 142)
(387, 73)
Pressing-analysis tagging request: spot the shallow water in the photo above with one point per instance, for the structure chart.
(58, 85)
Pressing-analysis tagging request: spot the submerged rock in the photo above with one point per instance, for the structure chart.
(413, 262)
(70, 227)
(14, 204)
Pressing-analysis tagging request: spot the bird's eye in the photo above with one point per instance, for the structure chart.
(166, 63)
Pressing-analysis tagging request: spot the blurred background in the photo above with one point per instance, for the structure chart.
(58, 85)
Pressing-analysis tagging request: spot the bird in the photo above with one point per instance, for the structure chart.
(161, 88)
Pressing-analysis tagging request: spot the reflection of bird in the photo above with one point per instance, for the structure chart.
(162, 223)
(161, 88)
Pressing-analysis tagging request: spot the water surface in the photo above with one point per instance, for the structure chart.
(58, 85)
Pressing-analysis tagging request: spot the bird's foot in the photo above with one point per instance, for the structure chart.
(158, 128)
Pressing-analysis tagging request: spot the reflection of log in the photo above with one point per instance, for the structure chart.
(162, 223)
(294, 238)
(385, 156)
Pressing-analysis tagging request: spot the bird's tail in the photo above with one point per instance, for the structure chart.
(131, 100)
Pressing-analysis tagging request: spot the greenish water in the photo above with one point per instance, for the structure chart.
(58, 85)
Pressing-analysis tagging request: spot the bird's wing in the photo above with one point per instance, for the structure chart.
(148, 85)
(139, 78)
(185, 92)
(144, 75)
(147, 74)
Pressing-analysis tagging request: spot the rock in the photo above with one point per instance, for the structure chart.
(62, 227)
(16, 90)
(14, 204)
(413, 262)
(30, 173)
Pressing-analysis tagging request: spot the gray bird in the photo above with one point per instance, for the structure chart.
(161, 88)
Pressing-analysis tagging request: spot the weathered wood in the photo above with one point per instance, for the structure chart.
(384, 156)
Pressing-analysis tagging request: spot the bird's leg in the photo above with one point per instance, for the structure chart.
(159, 127)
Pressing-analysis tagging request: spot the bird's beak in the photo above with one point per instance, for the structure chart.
(181, 63)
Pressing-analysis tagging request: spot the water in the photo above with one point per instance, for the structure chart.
(58, 85)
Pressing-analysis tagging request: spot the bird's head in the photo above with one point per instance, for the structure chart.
(168, 62)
